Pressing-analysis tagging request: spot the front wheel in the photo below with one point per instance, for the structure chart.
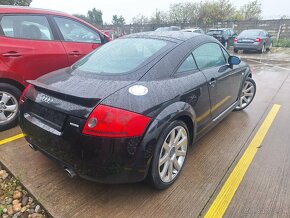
(247, 94)
(169, 156)
(9, 97)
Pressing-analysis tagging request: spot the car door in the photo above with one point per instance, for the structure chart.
(77, 38)
(223, 80)
(28, 46)
(197, 97)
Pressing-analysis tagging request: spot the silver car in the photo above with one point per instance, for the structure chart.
(253, 39)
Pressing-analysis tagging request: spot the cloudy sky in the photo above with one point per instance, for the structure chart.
(130, 8)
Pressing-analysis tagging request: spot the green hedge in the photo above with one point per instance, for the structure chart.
(281, 43)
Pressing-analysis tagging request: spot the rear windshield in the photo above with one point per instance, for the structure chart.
(215, 32)
(249, 33)
(121, 56)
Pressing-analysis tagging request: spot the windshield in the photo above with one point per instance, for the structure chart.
(215, 32)
(121, 56)
(249, 33)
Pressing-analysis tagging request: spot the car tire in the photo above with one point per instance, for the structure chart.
(9, 97)
(167, 155)
(262, 50)
(236, 50)
(247, 94)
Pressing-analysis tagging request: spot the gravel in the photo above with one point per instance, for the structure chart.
(15, 201)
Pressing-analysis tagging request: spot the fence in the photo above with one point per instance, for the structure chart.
(280, 28)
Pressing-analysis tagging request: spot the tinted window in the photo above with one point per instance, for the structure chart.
(209, 55)
(215, 32)
(249, 33)
(187, 65)
(26, 27)
(74, 31)
(121, 56)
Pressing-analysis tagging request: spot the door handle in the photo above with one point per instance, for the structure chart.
(212, 82)
(76, 53)
(11, 54)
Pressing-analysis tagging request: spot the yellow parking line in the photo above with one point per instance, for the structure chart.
(10, 139)
(223, 199)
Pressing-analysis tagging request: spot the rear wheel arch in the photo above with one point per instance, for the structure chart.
(181, 111)
(190, 126)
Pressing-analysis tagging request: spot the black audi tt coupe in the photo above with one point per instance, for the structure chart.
(130, 110)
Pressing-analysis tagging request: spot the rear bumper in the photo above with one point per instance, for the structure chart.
(248, 46)
(102, 160)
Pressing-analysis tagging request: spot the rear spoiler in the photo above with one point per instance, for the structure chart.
(70, 97)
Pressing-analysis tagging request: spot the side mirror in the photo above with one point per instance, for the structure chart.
(234, 60)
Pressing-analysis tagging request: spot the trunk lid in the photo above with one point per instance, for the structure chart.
(61, 94)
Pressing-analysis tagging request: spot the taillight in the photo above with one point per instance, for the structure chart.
(235, 39)
(258, 40)
(113, 122)
(29, 90)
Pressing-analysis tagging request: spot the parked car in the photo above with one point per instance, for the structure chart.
(34, 42)
(224, 35)
(253, 39)
(123, 114)
(194, 30)
(170, 28)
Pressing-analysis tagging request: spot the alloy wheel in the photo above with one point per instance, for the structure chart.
(172, 154)
(8, 107)
(247, 95)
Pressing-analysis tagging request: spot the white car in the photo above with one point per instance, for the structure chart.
(193, 30)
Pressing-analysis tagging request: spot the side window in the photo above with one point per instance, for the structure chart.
(74, 31)
(26, 27)
(187, 65)
(209, 55)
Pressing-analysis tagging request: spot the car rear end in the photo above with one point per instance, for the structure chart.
(63, 127)
(218, 34)
(249, 40)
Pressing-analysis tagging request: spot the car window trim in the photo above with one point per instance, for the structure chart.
(28, 14)
(225, 51)
(177, 74)
(75, 20)
(1, 30)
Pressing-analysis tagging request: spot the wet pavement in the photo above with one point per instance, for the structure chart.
(263, 192)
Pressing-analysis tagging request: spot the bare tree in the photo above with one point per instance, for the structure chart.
(140, 19)
(252, 10)
(16, 2)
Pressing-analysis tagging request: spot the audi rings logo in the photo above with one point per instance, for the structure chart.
(46, 99)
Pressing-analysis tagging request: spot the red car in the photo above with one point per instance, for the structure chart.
(34, 42)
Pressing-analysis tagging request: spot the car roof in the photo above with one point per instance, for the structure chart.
(28, 10)
(166, 35)
(254, 30)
